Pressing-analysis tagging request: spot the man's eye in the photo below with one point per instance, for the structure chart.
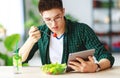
(47, 19)
(57, 17)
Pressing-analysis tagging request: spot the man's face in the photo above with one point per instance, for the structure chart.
(54, 19)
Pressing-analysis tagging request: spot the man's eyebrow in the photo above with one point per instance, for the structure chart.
(54, 17)
(57, 15)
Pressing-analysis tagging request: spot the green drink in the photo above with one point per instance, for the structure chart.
(17, 63)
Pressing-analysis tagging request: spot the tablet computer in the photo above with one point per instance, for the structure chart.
(82, 54)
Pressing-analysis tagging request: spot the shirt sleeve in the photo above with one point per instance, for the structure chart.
(92, 42)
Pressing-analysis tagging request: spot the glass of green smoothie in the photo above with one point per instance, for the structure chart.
(17, 63)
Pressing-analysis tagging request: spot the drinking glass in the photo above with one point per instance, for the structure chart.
(17, 63)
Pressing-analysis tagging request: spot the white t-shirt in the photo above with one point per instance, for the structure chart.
(56, 49)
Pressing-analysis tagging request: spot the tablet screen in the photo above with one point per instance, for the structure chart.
(83, 54)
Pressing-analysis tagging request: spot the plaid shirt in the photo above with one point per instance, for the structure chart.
(77, 37)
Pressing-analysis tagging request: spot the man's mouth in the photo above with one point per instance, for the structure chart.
(55, 28)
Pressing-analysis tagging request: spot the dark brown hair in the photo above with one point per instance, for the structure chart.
(49, 4)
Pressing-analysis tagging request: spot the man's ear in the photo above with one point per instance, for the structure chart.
(40, 14)
(64, 11)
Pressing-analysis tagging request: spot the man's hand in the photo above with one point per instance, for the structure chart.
(82, 65)
(34, 34)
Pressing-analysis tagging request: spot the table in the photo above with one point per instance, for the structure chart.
(35, 72)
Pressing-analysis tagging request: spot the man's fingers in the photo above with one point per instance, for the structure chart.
(35, 33)
(80, 60)
(33, 29)
(75, 68)
(91, 59)
(75, 63)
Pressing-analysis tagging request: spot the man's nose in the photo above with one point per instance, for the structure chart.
(53, 23)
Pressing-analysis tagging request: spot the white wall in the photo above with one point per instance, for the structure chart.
(80, 9)
(11, 16)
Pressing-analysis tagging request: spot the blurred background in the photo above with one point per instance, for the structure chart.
(17, 16)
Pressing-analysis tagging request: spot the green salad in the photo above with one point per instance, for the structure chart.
(54, 68)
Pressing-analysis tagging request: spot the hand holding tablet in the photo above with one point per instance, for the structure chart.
(82, 54)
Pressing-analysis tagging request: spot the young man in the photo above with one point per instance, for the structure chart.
(69, 37)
